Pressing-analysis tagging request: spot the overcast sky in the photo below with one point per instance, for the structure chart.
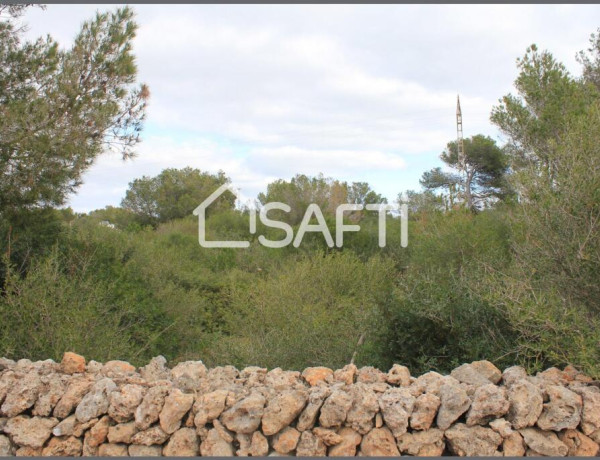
(359, 93)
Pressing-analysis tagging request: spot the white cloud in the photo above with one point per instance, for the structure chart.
(363, 91)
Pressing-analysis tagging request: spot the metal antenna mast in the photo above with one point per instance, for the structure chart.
(459, 136)
(460, 145)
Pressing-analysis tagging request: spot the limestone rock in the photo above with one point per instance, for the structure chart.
(488, 370)
(6, 447)
(259, 447)
(454, 402)
(286, 440)
(424, 411)
(513, 374)
(428, 443)
(21, 395)
(309, 415)
(77, 388)
(283, 410)
(98, 433)
(245, 416)
(30, 431)
(335, 409)
(364, 406)
(209, 406)
(348, 444)
(379, 442)
(430, 382)
(473, 441)
(525, 404)
(176, 405)
(369, 374)
(489, 402)
(149, 410)
(144, 451)
(122, 433)
(96, 402)
(188, 375)
(346, 374)
(329, 437)
(513, 445)
(398, 375)
(72, 427)
(544, 442)
(72, 363)
(562, 411)
(124, 402)
(396, 407)
(317, 375)
(467, 373)
(66, 446)
(310, 446)
(152, 436)
(117, 369)
(52, 388)
(155, 370)
(579, 444)
(112, 450)
(215, 446)
(590, 414)
(502, 427)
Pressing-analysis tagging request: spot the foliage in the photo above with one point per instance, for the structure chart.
(484, 178)
(174, 194)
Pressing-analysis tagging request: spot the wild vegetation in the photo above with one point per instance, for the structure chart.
(514, 278)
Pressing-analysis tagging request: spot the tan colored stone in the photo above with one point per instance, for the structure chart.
(72, 363)
(489, 402)
(544, 442)
(396, 407)
(122, 433)
(124, 402)
(209, 406)
(469, 374)
(152, 436)
(379, 442)
(282, 410)
(188, 375)
(259, 446)
(113, 450)
(149, 410)
(184, 443)
(317, 375)
(117, 369)
(215, 446)
(346, 374)
(21, 395)
(310, 446)
(245, 415)
(95, 403)
(454, 402)
(472, 441)
(335, 409)
(155, 370)
(562, 411)
(347, 446)
(398, 375)
(77, 388)
(286, 440)
(98, 433)
(144, 451)
(369, 374)
(428, 443)
(308, 417)
(30, 431)
(513, 445)
(488, 370)
(52, 389)
(329, 437)
(176, 405)
(28, 451)
(6, 447)
(525, 404)
(579, 444)
(590, 414)
(424, 411)
(66, 446)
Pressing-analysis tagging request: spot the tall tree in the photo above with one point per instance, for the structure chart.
(60, 109)
(174, 194)
(484, 178)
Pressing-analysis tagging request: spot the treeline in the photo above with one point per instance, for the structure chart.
(503, 259)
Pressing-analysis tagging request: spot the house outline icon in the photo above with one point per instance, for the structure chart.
(200, 211)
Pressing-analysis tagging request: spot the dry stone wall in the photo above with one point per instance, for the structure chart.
(75, 408)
